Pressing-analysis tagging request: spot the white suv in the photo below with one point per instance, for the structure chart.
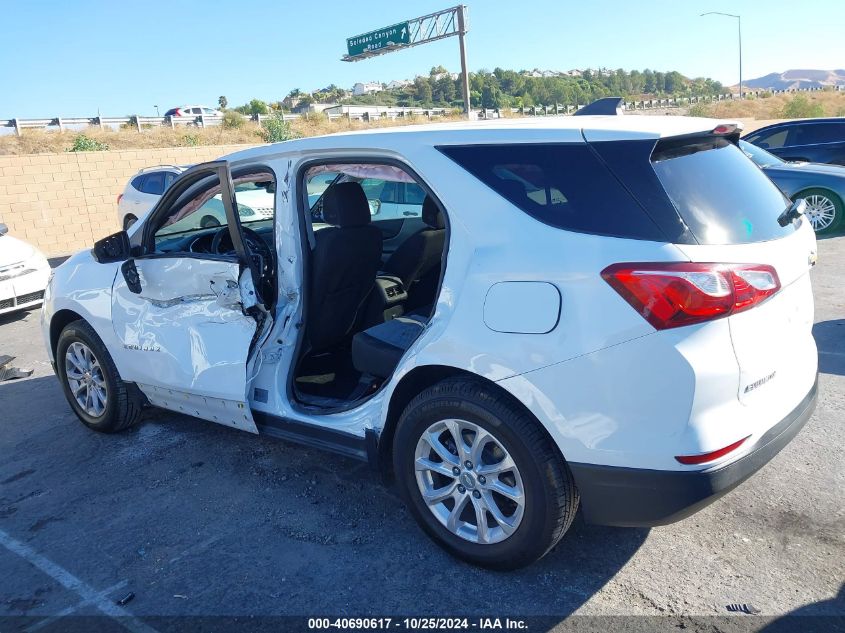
(142, 192)
(611, 311)
(146, 187)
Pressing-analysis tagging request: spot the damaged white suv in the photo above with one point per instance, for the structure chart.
(599, 310)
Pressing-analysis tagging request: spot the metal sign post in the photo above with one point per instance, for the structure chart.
(421, 30)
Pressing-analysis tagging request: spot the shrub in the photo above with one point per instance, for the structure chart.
(699, 109)
(84, 143)
(191, 140)
(275, 129)
(233, 120)
(800, 107)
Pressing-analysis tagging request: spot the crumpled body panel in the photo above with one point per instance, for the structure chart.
(186, 331)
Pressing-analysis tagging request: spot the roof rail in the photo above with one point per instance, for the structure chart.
(608, 106)
(152, 167)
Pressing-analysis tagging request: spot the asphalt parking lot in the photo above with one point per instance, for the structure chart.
(195, 518)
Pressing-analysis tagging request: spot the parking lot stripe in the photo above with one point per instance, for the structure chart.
(74, 584)
(73, 609)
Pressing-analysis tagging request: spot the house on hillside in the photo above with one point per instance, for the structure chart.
(396, 84)
(541, 73)
(304, 108)
(366, 88)
(439, 76)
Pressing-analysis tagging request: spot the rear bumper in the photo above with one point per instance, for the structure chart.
(635, 497)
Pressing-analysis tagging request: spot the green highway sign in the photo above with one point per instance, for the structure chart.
(374, 40)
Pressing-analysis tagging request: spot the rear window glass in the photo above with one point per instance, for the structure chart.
(414, 194)
(719, 192)
(811, 133)
(153, 183)
(563, 185)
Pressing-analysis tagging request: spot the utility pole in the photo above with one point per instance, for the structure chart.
(462, 31)
(739, 33)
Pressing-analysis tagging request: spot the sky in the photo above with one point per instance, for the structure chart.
(81, 57)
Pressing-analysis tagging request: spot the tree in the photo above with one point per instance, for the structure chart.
(422, 90)
(491, 96)
(256, 106)
(648, 81)
(444, 90)
(222, 101)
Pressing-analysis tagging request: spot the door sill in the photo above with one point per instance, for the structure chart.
(361, 448)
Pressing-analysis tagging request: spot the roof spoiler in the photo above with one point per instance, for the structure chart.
(611, 106)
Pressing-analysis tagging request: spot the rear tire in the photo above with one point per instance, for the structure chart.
(824, 210)
(92, 386)
(209, 221)
(128, 221)
(491, 529)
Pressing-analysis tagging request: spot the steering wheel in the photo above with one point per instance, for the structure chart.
(262, 255)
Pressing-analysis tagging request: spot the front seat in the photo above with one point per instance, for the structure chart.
(345, 260)
(418, 258)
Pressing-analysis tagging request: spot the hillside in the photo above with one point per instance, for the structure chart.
(797, 78)
(508, 89)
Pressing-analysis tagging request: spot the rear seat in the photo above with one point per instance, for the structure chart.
(378, 350)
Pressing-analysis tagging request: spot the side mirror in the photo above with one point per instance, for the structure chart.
(3, 229)
(114, 248)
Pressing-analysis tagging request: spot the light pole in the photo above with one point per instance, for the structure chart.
(157, 114)
(739, 31)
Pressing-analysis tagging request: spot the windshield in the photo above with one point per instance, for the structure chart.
(759, 155)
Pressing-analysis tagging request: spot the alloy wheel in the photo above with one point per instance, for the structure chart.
(469, 481)
(85, 379)
(821, 211)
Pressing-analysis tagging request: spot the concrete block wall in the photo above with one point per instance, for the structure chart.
(62, 203)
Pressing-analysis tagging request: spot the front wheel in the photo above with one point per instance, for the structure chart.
(92, 386)
(481, 476)
(824, 210)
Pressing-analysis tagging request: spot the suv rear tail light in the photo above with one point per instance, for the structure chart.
(671, 295)
(119, 197)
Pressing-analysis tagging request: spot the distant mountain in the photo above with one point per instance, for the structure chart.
(798, 78)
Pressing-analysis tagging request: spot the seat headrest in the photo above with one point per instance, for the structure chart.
(345, 204)
(432, 215)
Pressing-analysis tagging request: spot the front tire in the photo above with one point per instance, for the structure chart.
(824, 210)
(92, 386)
(481, 476)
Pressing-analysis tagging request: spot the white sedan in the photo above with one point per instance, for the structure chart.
(23, 273)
